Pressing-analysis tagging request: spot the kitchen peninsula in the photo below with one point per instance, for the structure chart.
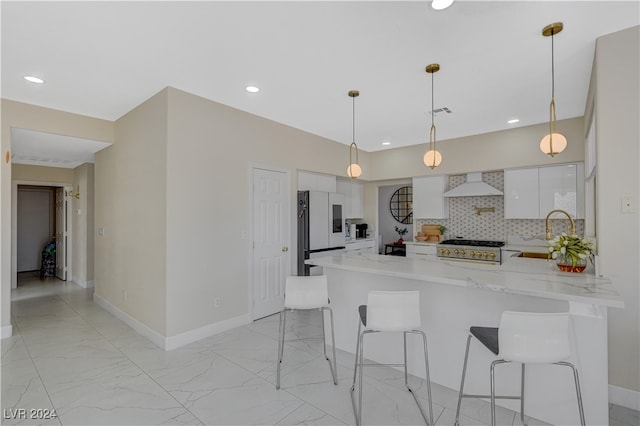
(456, 295)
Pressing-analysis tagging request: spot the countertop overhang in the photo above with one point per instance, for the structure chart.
(530, 277)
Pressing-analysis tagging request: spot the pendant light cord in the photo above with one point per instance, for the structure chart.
(553, 84)
(353, 119)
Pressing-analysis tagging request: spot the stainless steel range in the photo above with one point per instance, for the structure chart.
(477, 250)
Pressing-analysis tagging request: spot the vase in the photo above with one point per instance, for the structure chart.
(566, 264)
(400, 241)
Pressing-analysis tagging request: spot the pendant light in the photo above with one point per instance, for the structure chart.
(432, 158)
(354, 170)
(553, 143)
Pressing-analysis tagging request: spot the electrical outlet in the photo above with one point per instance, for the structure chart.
(124, 294)
(217, 302)
(101, 231)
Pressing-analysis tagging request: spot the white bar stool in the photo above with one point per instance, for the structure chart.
(389, 311)
(527, 338)
(306, 293)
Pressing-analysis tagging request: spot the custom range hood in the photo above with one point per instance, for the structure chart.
(473, 187)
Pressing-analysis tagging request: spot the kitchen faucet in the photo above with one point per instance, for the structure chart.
(572, 227)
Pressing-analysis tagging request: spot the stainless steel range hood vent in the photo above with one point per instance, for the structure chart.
(473, 187)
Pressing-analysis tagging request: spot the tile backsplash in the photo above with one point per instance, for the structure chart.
(466, 223)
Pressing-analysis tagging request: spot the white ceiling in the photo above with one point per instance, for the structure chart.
(104, 58)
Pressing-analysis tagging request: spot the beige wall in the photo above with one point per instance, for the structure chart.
(25, 116)
(52, 175)
(131, 207)
(82, 212)
(210, 153)
(617, 138)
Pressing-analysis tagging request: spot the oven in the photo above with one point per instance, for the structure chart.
(472, 250)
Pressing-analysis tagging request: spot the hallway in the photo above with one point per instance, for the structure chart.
(70, 357)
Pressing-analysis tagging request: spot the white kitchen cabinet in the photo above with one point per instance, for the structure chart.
(416, 250)
(310, 181)
(562, 187)
(532, 193)
(354, 198)
(361, 246)
(521, 195)
(428, 200)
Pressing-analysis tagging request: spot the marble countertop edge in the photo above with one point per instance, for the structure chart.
(529, 277)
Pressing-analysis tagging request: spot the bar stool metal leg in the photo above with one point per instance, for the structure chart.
(578, 393)
(358, 371)
(281, 329)
(426, 365)
(493, 390)
(464, 372)
(334, 366)
(522, 397)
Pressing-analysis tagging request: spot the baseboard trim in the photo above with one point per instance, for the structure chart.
(6, 331)
(179, 340)
(191, 336)
(624, 397)
(84, 284)
(155, 337)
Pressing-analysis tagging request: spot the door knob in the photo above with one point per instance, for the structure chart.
(285, 248)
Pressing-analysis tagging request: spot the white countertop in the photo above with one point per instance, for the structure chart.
(357, 240)
(530, 277)
(422, 243)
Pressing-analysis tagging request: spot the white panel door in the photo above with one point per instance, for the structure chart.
(270, 240)
(61, 234)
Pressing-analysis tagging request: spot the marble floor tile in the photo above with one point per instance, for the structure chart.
(309, 415)
(70, 355)
(22, 390)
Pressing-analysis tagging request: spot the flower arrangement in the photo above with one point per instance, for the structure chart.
(401, 231)
(574, 249)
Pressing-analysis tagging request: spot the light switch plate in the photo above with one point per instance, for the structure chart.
(628, 205)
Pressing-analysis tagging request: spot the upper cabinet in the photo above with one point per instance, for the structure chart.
(532, 193)
(309, 181)
(354, 197)
(521, 195)
(428, 199)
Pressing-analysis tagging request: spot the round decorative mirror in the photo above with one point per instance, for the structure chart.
(401, 205)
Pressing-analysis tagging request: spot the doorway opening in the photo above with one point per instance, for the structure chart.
(41, 231)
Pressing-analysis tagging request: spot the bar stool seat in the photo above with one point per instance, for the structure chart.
(306, 293)
(389, 311)
(526, 338)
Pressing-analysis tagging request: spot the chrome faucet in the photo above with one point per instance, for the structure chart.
(572, 227)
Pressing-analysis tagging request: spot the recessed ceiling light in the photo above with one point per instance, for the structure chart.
(385, 143)
(252, 89)
(33, 79)
(513, 121)
(441, 4)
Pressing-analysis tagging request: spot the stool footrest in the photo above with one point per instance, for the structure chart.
(374, 364)
(468, 395)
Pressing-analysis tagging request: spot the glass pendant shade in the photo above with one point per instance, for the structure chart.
(553, 143)
(441, 4)
(432, 158)
(354, 171)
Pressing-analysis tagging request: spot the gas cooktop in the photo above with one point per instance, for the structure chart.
(474, 243)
